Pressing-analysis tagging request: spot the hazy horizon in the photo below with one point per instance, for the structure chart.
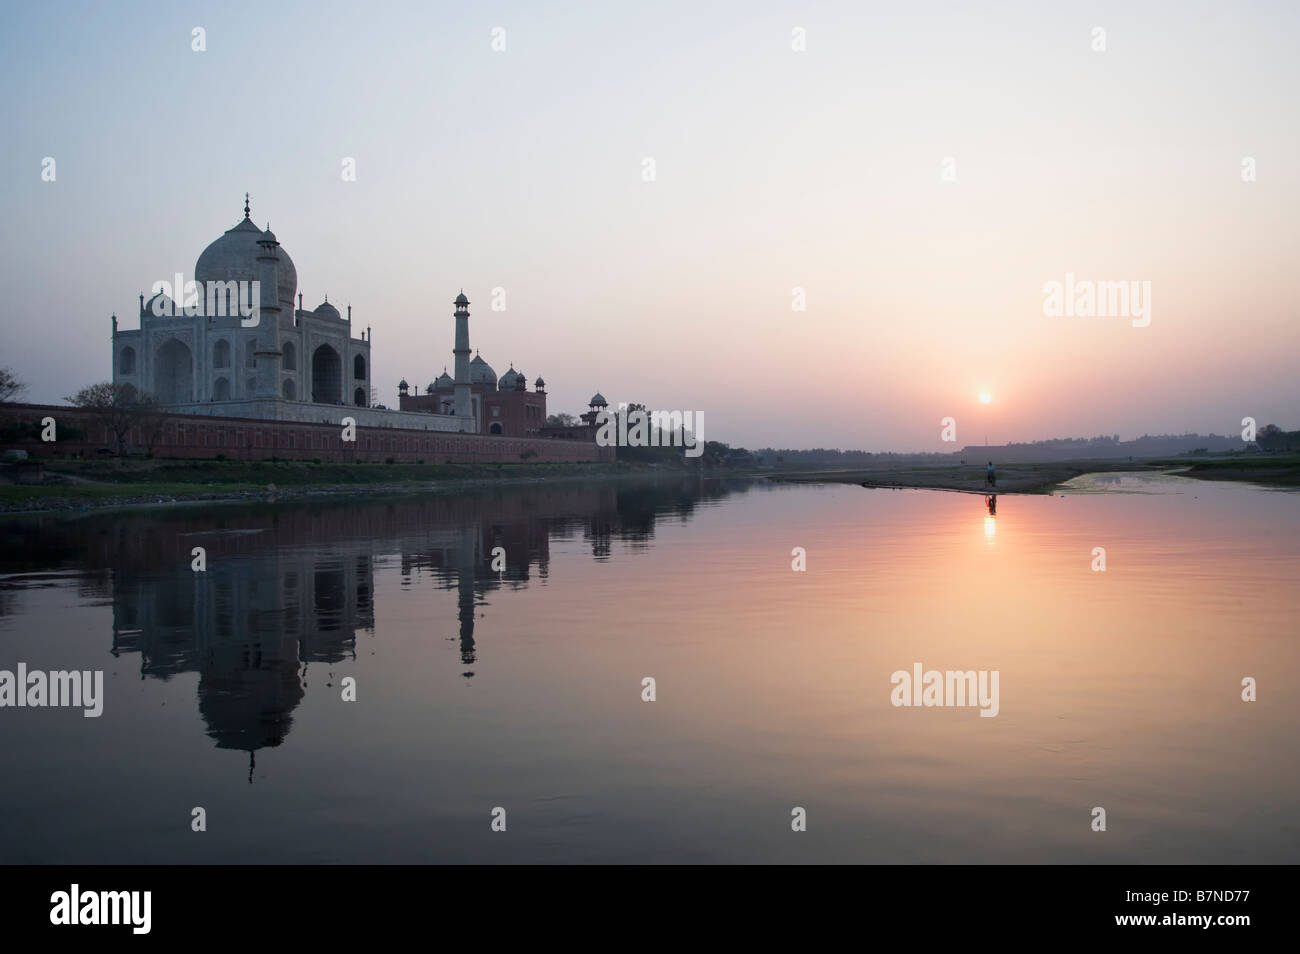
(775, 169)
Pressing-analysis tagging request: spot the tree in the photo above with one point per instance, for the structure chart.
(1273, 439)
(10, 386)
(126, 408)
(561, 420)
(151, 419)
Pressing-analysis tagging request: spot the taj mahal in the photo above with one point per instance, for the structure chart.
(293, 364)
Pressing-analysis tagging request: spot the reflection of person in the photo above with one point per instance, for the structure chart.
(991, 501)
(992, 476)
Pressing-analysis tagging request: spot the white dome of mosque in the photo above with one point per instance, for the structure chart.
(480, 372)
(443, 380)
(326, 310)
(507, 382)
(233, 257)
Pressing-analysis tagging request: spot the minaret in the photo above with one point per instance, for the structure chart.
(267, 353)
(461, 351)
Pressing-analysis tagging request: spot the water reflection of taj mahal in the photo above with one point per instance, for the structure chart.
(287, 600)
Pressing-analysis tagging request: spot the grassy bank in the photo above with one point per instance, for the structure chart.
(86, 484)
(1272, 470)
(78, 484)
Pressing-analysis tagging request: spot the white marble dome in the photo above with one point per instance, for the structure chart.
(233, 258)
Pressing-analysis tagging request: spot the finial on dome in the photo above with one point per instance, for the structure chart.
(247, 210)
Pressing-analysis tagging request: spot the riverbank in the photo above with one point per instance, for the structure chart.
(75, 485)
(1270, 470)
(968, 478)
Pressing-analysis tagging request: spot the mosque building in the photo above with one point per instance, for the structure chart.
(504, 406)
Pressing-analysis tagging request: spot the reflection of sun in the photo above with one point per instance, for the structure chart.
(985, 397)
(990, 528)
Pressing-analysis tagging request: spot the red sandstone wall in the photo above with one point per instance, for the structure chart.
(512, 408)
(188, 435)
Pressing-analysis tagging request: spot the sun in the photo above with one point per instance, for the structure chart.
(985, 397)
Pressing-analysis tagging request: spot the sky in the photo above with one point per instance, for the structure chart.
(919, 170)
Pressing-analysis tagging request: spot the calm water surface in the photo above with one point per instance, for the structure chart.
(522, 688)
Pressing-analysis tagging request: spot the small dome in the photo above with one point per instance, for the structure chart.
(326, 310)
(507, 382)
(598, 400)
(402, 385)
(461, 299)
(444, 380)
(268, 236)
(480, 372)
(539, 384)
(166, 307)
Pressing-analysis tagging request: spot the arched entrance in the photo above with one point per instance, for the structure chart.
(359, 397)
(221, 389)
(326, 376)
(173, 373)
